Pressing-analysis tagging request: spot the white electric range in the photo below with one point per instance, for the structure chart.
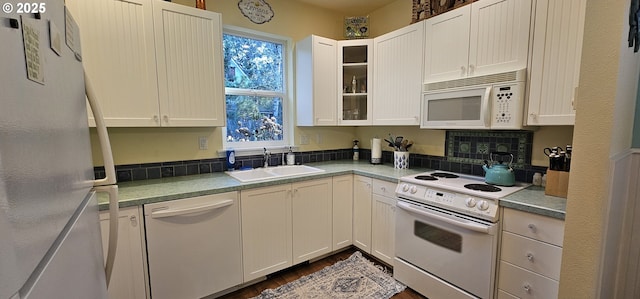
(447, 228)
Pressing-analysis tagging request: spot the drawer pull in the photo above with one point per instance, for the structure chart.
(530, 257)
(532, 227)
(527, 288)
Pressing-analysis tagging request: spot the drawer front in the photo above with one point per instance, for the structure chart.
(526, 284)
(384, 188)
(541, 228)
(536, 256)
(504, 295)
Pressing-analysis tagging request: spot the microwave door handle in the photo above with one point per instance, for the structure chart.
(433, 215)
(486, 108)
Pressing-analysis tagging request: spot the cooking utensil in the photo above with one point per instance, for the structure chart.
(398, 142)
(403, 145)
(499, 174)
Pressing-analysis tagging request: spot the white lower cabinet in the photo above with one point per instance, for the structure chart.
(284, 225)
(383, 219)
(362, 213)
(266, 230)
(531, 256)
(128, 277)
(193, 246)
(312, 221)
(342, 211)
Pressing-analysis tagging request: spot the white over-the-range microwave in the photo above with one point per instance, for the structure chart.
(492, 102)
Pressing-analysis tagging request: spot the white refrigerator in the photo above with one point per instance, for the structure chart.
(50, 240)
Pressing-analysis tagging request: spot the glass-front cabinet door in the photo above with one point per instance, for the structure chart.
(354, 79)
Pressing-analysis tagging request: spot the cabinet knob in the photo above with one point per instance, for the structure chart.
(532, 227)
(533, 116)
(383, 189)
(156, 118)
(165, 118)
(463, 70)
(472, 68)
(530, 257)
(527, 288)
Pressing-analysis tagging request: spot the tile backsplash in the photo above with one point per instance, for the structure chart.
(465, 152)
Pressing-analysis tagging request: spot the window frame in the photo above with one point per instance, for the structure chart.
(255, 147)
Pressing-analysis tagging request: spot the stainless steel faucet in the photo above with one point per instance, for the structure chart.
(266, 155)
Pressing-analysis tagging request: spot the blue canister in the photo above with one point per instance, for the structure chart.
(231, 159)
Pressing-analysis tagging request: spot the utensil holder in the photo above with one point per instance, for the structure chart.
(401, 160)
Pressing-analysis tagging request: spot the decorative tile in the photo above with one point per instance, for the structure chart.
(481, 144)
(464, 147)
(482, 147)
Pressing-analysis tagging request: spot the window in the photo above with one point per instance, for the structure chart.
(255, 67)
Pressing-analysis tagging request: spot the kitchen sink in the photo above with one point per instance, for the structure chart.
(258, 174)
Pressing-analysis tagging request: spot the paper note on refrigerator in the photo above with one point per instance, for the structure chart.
(33, 56)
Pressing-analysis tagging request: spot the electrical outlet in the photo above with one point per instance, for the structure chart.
(304, 139)
(203, 142)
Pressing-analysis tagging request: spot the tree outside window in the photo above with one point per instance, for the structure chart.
(255, 90)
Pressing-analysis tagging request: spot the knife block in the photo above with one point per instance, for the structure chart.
(557, 183)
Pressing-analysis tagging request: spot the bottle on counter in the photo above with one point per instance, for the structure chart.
(356, 150)
(537, 179)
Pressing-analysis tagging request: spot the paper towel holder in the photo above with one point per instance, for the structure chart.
(376, 151)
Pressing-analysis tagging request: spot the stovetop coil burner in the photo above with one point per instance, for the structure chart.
(483, 187)
(426, 178)
(445, 175)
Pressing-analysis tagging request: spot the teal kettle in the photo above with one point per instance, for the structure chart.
(498, 173)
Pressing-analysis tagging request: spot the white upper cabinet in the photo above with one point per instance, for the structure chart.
(153, 63)
(555, 62)
(119, 58)
(190, 65)
(446, 50)
(397, 76)
(316, 81)
(484, 37)
(354, 81)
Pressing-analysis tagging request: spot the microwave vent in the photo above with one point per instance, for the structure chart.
(512, 76)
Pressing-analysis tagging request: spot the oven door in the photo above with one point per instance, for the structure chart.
(457, 249)
(457, 109)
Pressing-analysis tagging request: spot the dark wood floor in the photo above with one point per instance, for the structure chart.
(296, 272)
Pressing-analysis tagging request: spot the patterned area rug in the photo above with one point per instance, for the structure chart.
(355, 277)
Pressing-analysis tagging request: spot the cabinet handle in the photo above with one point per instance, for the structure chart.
(383, 189)
(472, 68)
(165, 118)
(155, 118)
(527, 288)
(533, 116)
(463, 70)
(532, 227)
(530, 257)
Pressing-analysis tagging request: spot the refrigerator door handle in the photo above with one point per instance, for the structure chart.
(112, 190)
(103, 136)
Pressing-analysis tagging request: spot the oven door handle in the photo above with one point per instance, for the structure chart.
(490, 230)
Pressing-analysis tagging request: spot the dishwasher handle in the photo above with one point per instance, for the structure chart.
(191, 210)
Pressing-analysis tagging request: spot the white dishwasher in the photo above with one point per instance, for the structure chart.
(194, 246)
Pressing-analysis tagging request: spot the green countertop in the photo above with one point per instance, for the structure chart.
(138, 193)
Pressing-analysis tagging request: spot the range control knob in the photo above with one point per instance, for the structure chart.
(405, 187)
(413, 189)
(470, 202)
(483, 205)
